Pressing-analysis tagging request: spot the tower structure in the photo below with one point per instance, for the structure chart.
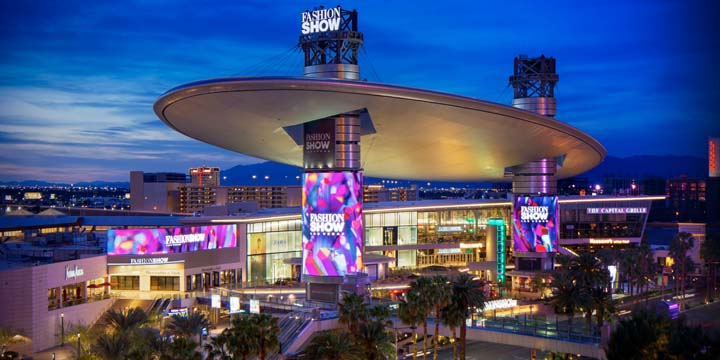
(332, 181)
(535, 202)
(533, 81)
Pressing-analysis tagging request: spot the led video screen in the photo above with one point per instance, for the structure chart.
(535, 224)
(332, 223)
(170, 240)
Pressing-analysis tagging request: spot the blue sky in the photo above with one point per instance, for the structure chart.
(78, 79)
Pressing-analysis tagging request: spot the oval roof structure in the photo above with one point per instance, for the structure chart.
(418, 134)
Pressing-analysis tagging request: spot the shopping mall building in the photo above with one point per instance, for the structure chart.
(339, 128)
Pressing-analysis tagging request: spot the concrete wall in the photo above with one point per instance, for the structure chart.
(24, 303)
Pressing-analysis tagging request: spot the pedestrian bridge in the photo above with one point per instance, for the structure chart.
(528, 333)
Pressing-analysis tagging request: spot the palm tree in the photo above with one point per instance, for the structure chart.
(110, 346)
(146, 344)
(184, 349)
(189, 326)
(352, 311)
(467, 293)
(377, 344)
(333, 345)
(643, 336)
(679, 247)
(603, 304)
(568, 295)
(216, 347)
(267, 333)
(124, 321)
(423, 288)
(441, 293)
(453, 317)
(242, 340)
(410, 313)
(710, 253)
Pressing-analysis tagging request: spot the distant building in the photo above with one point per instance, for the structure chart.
(573, 185)
(687, 199)
(205, 176)
(379, 193)
(156, 192)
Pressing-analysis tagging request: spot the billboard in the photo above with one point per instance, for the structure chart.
(319, 144)
(170, 240)
(332, 223)
(535, 223)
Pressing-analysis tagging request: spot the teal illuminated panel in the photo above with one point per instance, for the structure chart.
(500, 248)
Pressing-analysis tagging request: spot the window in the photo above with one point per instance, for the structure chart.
(171, 283)
(125, 282)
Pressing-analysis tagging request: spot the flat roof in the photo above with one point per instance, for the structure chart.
(294, 213)
(417, 134)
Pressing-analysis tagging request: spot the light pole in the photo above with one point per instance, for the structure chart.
(79, 346)
(62, 329)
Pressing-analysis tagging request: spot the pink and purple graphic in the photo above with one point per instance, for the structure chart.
(332, 223)
(170, 240)
(535, 224)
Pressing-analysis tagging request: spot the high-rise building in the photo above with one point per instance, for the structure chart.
(205, 176)
(156, 192)
(687, 199)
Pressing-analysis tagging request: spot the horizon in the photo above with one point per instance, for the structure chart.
(78, 80)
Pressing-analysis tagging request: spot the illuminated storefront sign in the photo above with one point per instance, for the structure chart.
(449, 251)
(500, 304)
(321, 20)
(73, 272)
(161, 260)
(499, 248)
(181, 312)
(609, 241)
(254, 306)
(618, 210)
(332, 223)
(215, 301)
(235, 304)
(535, 223)
(450, 229)
(170, 240)
(713, 158)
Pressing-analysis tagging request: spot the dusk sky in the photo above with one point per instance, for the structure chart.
(78, 79)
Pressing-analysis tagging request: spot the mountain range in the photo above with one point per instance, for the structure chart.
(271, 173)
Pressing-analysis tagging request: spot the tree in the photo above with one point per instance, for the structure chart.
(468, 295)
(679, 247)
(352, 311)
(568, 296)
(216, 348)
(333, 345)
(242, 341)
(423, 289)
(9, 336)
(648, 335)
(441, 293)
(124, 321)
(267, 333)
(183, 348)
(110, 346)
(376, 342)
(453, 317)
(410, 313)
(189, 326)
(710, 253)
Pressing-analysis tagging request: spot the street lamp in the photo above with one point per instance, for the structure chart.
(62, 329)
(78, 345)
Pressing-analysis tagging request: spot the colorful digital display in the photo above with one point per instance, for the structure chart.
(170, 240)
(332, 223)
(535, 226)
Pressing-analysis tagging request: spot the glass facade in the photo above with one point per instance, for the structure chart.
(269, 244)
(621, 219)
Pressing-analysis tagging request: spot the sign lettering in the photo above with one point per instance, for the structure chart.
(321, 20)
